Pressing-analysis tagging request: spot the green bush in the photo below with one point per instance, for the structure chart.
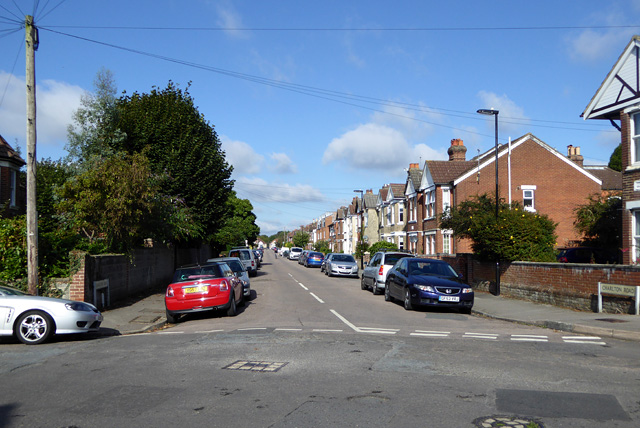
(381, 245)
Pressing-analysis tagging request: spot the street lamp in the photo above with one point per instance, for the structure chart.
(361, 231)
(494, 113)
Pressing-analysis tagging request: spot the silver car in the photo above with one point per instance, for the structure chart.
(341, 265)
(35, 319)
(238, 268)
(374, 274)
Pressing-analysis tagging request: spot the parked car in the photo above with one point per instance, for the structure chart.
(294, 253)
(238, 268)
(285, 252)
(256, 254)
(327, 257)
(210, 287)
(341, 265)
(586, 255)
(314, 259)
(427, 282)
(247, 257)
(35, 319)
(303, 257)
(374, 274)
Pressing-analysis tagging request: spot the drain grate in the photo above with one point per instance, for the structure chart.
(255, 366)
(507, 421)
(612, 320)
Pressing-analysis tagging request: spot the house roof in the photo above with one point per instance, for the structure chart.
(396, 191)
(8, 154)
(447, 171)
(611, 179)
(370, 200)
(621, 87)
(414, 178)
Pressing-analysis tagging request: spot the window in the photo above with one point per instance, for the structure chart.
(13, 189)
(528, 198)
(636, 236)
(635, 139)
(401, 243)
(446, 199)
(430, 204)
(446, 243)
(400, 214)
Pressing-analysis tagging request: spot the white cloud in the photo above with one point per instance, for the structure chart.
(593, 46)
(241, 156)
(282, 164)
(56, 101)
(230, 20)
(511, 119)
(258, 189)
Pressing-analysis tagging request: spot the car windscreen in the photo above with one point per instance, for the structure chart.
(391, 259)
(8, 291)
(342, 258)
(235, 266)
(198, 272)
(431, 268)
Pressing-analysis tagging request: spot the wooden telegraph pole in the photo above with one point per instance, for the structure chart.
(32, 215)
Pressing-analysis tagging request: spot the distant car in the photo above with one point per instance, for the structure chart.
(256, 254)
(586, 255)
(303, 257)
(34, 319)
(427, 282)
(341, 265)
(238, 268)
(248, 258)
(314, 259)
(327, 257)
(209, 287)
(374, 274)
(294, 253)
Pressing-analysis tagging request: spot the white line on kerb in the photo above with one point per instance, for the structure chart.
(317, 298)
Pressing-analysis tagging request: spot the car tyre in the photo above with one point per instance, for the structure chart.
(363, 286)
(387, 294)
(407, 300)
(466, 311)
(233, 309)
(172, 318)
(375, 290)
(34, 327)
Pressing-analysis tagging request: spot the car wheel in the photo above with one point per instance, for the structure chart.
(34, 327)
(363, 286)
(233, 310)
(172, 318)
(242, 302)
(407, 300)
(387, 294)
(466, 311)
(374, 289)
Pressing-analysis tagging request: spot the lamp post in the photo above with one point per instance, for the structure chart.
(494, 113)
(360, 232)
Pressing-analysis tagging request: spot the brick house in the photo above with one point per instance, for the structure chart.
(12, 190)
(529, 171)
(414, 208)
(391, 216)
(618, 99)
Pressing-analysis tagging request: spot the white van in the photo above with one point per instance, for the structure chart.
(247, 257)
(294, 253)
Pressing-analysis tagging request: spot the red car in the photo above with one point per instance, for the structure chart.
(213, 286)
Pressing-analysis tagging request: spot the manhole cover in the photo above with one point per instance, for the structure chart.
(255, 366)
(507, 421)
(610, 320)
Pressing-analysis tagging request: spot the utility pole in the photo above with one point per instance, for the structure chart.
(32, 215)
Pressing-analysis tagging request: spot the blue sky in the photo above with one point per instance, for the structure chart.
(312, 100)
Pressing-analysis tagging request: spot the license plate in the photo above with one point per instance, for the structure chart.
(191, 290)
(449, 298)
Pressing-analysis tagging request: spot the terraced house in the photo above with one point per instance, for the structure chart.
(391, 214)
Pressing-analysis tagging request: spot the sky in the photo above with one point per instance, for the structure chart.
(313, 100)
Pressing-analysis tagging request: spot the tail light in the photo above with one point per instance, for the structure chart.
(381, 271)
(563, 260)
(224, 286)
(169, 291)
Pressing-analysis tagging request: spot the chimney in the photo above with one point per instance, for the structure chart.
(370, 191)
(573, 153)
(414, 166)
(457, 151)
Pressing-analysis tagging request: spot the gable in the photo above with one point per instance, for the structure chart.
(621, 87)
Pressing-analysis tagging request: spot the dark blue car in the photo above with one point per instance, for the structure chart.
(427, 282)
(314, 259)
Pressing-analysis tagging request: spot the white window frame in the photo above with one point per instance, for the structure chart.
(635, 236)
(400, 213)
(446, 242)
(634, 140)
(446, 198)
(532, 190)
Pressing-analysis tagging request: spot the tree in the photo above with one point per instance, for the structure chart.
(516, 235)
(239, 225)
(382, 245)
(300, 239)
(94, 135)
(167, 127)
(322, 246)
(600, 221)
(615, 161)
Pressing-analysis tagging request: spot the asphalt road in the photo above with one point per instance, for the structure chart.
(312, 351)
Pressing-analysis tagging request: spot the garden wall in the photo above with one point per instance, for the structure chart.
(107, 280)
(569, 285)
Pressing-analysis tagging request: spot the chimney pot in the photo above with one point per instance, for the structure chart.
(457, 151)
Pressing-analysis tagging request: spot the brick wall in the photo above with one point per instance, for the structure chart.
(147, 269)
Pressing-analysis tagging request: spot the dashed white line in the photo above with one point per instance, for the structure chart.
(317, 298)
(378, 330)
(426, 333)
(491, 336)
(324, 330)
(171, 332)
(209, 331)
(287, 329)
(251, 328)
(529, 338)
(593, 340)
(302, 285)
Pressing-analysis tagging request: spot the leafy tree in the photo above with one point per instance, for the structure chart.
(615, 161)
(13, 248)
(600, 221)
(167, 127)
(239, 224)
(322, 246)
(516, 235)
(300, 239)
(382, 245)
(94, 135)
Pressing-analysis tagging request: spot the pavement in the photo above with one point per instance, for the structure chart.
(148, 313)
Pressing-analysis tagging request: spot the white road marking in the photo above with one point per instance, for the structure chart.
(171, 332)
(480, 335)
(593, 340)
(302, 285)
(251, 328)
(209, 331)
(288, 329)
(344, 320)
(322, 330)
(529, 338)
(426, 333)
(317, 298)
